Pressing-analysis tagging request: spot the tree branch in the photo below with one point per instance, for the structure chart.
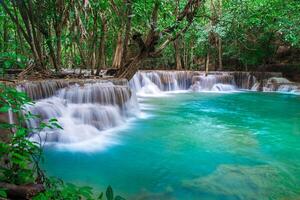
(15, 20)
(115, 7)
(188, 13)
(170, 39)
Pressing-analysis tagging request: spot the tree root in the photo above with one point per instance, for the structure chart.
(34, 72)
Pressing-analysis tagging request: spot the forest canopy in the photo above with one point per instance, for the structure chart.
(43, 35)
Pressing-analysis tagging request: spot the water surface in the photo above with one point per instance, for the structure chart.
(210, 146)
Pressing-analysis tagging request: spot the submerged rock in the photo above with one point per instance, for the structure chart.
(244, 182)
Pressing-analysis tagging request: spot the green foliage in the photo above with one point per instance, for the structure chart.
(10, 60)
(58, 190)
(19, 155)
(16, 154)
(250, 30)
(253, 29)
(3, 193)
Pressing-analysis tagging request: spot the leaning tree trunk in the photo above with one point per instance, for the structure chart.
(147, 47)
(132, 67)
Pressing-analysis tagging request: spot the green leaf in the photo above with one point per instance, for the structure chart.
(57, 125)
(100, 196)
(53, 120)
(109, 193)
(3, 193)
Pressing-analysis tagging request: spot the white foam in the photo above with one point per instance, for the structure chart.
(89, 119)
(163, 83)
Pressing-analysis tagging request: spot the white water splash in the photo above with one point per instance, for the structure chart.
(92, 114)
(159, 83)
(277, 84)
(88, 115)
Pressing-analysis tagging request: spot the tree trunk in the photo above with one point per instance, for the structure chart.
(206, 64)
(127, 31)
(178, 62)
(220, 54)
(147, 47)
(52, 54)
(212, 35)
(5, 35)
(118, 52)
(93, 62)
(191, 60)
(220, 39)
(58, 48)
(133, 66)
(101, 57)
(93, 45)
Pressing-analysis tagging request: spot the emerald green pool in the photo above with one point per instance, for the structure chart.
(209, 146)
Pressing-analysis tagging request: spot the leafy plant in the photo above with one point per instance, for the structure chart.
(57, 189)
(19, 155)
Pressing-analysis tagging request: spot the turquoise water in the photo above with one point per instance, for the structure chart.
(197, 146)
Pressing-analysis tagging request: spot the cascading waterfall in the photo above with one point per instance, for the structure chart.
(89, 110)
(277, 84)
(222, 82)
(85, 113)
(155, 82)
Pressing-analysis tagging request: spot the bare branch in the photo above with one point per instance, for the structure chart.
(170, 39)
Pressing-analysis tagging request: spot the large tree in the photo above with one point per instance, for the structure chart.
(156, 40)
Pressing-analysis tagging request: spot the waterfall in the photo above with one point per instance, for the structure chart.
(277, 84)
(219, 82)
(90, 110)
(86, 112)
(42, 89)
(156, 82)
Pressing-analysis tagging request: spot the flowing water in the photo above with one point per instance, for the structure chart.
(192, 137)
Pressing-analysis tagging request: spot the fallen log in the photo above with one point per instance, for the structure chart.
(22, 191)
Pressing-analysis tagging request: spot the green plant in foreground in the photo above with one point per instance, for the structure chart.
(20, 157)
(60, 190)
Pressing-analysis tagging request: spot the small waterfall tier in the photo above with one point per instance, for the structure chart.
(83, 109)
(277, 84)
(216, 82)
(156, 81)
(37, 90)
